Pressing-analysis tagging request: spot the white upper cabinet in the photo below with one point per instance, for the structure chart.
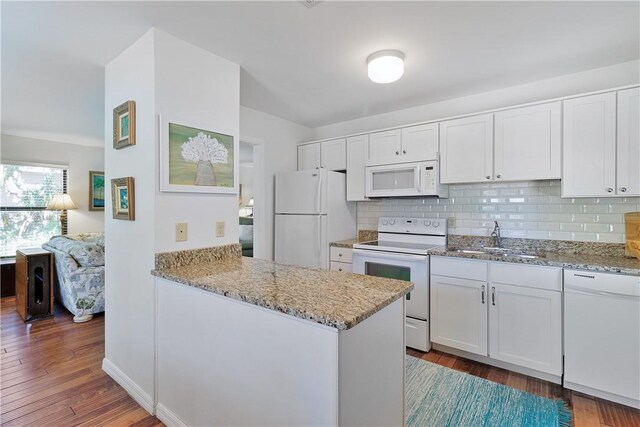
(356, 160)
(466, 149)
(384, 148)
(333, 154)
(308, 156)
(527, 143)
(589, 146)
(628, 173)
(419, 143)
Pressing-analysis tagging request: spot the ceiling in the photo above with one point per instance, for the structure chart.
(307, 65)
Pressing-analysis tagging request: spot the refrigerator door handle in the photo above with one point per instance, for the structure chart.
(319, 242)
(319, 192)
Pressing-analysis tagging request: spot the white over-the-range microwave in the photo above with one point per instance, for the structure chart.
(405, 180)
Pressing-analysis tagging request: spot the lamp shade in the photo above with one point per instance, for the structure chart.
(61, 202)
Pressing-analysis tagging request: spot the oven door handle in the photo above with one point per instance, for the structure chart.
(389, 255)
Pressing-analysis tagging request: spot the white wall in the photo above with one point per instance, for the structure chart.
(204, 89)
(129, 286)
(626, 73)
(166, 76)
(80, 159)
(277, 140)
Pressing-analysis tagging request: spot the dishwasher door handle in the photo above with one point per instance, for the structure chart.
(588, 291)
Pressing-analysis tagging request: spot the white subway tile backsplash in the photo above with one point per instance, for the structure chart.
(524, 209)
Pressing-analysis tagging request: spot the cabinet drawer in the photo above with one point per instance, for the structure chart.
(530, 276)
(462, 268)
(341, 254)
(417, 334)
(341, 266)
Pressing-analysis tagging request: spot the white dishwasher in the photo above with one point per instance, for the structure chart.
(602, 335)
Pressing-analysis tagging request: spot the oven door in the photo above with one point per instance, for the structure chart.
(411, 268)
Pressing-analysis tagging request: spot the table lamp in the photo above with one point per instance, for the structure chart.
(61, 202)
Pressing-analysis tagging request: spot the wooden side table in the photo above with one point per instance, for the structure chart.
(34, 283)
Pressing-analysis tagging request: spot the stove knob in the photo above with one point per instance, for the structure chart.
(435, 224)
(427, 223)
(392, 221)
(385, 222)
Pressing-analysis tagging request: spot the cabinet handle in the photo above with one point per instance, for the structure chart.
(623, 189)
(339, 254)
(483, 294)
(609, 190)
(397, 153)
(339, 269)
(498, 176)
(404, 151)
(493, 295)
(488, 176)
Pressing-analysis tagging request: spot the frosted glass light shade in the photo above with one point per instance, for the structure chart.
(61, 202)
(385, 66)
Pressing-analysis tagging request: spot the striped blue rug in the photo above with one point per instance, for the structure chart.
(439, 396)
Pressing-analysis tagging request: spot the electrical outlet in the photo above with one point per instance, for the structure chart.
(220, 229)
(451, 221)
(181, 232)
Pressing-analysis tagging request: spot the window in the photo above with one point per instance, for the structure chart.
(25, 192)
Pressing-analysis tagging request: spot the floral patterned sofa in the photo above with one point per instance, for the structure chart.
(79, 263)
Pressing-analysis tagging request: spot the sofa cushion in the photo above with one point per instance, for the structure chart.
(87, 254)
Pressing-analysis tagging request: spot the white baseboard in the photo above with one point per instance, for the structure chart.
(623, 400)
(165, 415)
(556, 379)
(134, 390)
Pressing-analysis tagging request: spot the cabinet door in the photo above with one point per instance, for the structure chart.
(466, 149)
(308, 156)
(628, 174)
(459, 313)
(420, 143)
(525, 327)
(333, 154)
(527, 143)
(356, 159)
(589, 146)
(384, 148)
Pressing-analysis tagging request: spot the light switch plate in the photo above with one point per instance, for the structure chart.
(451, 221)
(220, 229)
(181, 232)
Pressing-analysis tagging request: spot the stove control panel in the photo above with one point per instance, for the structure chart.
(413, 225)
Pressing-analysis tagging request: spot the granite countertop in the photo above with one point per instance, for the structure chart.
(338, 300)
(363, 236)
(578, 261)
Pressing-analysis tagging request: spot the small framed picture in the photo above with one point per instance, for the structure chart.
(123, 198)
(96, 191)
(124, 125)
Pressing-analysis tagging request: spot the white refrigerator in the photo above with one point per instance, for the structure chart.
(311, 212)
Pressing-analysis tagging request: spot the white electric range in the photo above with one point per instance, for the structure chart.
(401, 253)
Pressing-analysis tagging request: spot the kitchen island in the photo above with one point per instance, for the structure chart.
(242, 341)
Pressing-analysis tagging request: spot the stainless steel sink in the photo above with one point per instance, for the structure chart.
(500, 252)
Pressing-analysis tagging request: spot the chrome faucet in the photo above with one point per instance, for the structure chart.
(496, 235)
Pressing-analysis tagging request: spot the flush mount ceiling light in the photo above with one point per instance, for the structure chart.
(386, 66)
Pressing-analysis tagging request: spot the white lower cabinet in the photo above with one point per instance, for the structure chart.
(525, 327)
(340, 259)
(459, 313)
(507, 312)
(341, 266)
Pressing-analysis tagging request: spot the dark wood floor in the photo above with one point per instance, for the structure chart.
(51, 374)
(587, 411)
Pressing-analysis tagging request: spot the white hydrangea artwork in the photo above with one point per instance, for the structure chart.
(200, 160)
(203, 148)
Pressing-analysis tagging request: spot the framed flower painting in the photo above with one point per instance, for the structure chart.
(194, 159)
